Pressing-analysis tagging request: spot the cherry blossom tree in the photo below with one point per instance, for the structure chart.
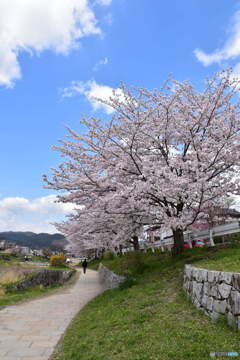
(169, 154)
(218, 213)
(107, 223)
(90, 230)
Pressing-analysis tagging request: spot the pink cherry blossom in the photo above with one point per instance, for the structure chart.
(162, 158)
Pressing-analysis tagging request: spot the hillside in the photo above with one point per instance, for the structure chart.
(33, 240)
(150, 317)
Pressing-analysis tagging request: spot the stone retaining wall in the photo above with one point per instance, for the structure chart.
(108, 278)
(214, 292)
(44, 277)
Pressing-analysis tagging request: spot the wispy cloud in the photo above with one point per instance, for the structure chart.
(21, 214)
(229, 50)
(37, 25)
(207, 59)
(100, 63)
(91, 90)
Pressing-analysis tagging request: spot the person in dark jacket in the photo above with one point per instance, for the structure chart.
(84, 265)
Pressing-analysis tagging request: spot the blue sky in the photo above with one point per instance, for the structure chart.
(80, 48)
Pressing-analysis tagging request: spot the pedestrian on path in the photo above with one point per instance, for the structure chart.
(84, 265)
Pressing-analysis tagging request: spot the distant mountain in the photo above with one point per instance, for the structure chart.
(35, 241)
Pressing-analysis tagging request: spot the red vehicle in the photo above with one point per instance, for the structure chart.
(197, 243)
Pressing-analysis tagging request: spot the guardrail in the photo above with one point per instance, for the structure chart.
(208, 234)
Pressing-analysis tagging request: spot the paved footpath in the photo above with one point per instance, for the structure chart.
(31, 330)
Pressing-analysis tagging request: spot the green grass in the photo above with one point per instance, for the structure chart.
(224, 260)
(151, 320)
(59, 267)
(13, 297)
(10, 258)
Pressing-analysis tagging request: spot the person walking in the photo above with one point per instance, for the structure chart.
(84, 265)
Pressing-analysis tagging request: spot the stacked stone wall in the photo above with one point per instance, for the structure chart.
(214, 292)
(44, 277)
(109, 279)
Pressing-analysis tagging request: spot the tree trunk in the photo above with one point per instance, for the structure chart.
(135, 243)
(178, 242)
(120, 250)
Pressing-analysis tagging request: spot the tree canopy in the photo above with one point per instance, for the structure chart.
(163, 157)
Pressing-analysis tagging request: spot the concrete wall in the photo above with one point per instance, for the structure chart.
(44, 277)
(214, 292)
(109, 279)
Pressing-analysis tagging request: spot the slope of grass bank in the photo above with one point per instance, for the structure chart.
(151, 320)
(224, 259)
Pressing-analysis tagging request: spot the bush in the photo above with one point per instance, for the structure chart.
(108, 255)
(57, 260)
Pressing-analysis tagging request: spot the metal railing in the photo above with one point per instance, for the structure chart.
(208, 234)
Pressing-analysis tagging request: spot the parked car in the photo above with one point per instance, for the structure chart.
(199, 243)
(196, 243)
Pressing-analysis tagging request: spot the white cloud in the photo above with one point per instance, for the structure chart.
(91, 90)
(38, 25)
(20, 214)
(230, 49)
(100, 63)
(207, 59)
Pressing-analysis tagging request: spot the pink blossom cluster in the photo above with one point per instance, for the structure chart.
(163, 157)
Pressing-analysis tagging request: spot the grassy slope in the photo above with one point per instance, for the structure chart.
(149, 321)
(224, 260)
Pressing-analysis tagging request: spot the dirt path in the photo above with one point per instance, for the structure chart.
(31, 330)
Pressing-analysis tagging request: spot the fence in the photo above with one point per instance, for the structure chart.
(189, 236)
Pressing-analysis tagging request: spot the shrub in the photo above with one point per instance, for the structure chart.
(57, 260)
(108, 255)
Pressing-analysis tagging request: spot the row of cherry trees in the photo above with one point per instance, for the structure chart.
(160, 160)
